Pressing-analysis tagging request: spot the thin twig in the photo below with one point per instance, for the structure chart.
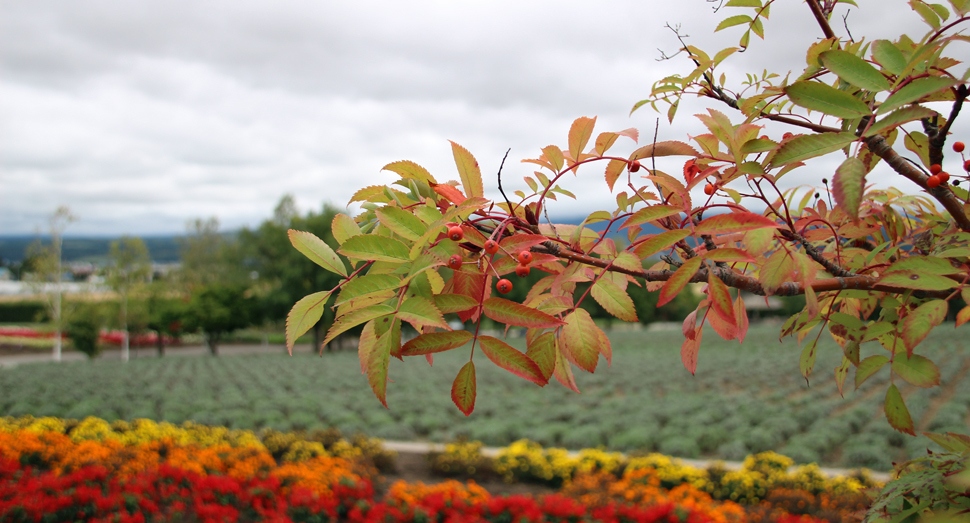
(511, 211)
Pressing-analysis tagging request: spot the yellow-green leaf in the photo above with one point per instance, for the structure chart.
(579, 135)
(854, 70)
(733, 222)
(808, 146)
(916, 90)
(447, 303)
(848, 184)
(897, 413)
(366, 284)
(649, 214)
(564, 372)
(343, 227)
(579, 341)
(542, 351)
(410, 170)
(354, 318)
(463, 389)
(868, 367)
(377, 363)
(807, 361)
(888, 56)
(318, 251)
(614, 300)
(732, 21)
(917, 370)
(897, 118)
(917, 280)
(668, 148)
(403, 223)
(468, 170)
(918, 324)
(778, 268)
(377, 248)
(304, 315)
(420, 311)
(826, 99)
(659, 242)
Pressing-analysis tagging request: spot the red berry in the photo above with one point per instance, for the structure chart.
(455, 261)
(455, 234)
(504, 286)
(944, 176)
(958, 147)
(634, 166)
(525, 257)
(966, 166)
(522, 271)
(933, 181)
(786, 136)
(709, 189)
(936, 168)
(491, 247)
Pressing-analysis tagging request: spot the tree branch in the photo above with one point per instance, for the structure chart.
(820, 17)
(938, 136)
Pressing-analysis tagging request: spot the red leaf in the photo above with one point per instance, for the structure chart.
(678, 281)
(471, 283)
(463, 389)
(564, 373)
(448, 192)
(512, 313)
(733, 222)
(688, 351)
(721, 302)
(511, 360)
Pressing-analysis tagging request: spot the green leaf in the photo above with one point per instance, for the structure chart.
(807, 361)
(542, 351)
(918, 324)
(659, 242)
(614, 300)
(579, 340)
(471, 175)
(889, 56)
(410, 170)
(867, 367)
(854, 70)
(420, 311)
(733, 222)
(926, 12)
(916, 370)
(808, 146)
(927, 264)
(365, 285)
(355, 318)
(649, 214)
(848, 185)
(826, 99)
(454, 302)
(503, 355)
(343, 227)
(729, 255)
(743, 3)
(512, 313)
(377, 362)
(303, 316)
(950, 441)
(916, 90)
(733, 21)
(376, 248)
(678, 281)
(579, 134)
(721, 302)
(463, 389)
(401, 222)
(778, 268)
(897, 118)
(917, 280)
(318, 251)
(433, 342)
(897, 413)
(841, 372)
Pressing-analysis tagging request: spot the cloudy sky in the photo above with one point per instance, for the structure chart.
(143, 115)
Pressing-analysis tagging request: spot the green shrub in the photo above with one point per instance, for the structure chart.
(24, 312)
(83, 327)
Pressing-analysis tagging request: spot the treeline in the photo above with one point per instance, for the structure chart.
(233, 281)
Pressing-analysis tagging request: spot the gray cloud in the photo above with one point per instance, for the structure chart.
(141, 116)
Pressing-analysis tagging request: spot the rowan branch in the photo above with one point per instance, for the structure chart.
(937, 136)
(741, 281)
(820, 17)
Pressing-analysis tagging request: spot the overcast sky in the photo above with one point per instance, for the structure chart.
(143, 115)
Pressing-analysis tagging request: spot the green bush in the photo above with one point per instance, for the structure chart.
(84, 328)
(23, 312)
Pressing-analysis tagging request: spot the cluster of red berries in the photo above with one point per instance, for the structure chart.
(938, 176)
(491, 247)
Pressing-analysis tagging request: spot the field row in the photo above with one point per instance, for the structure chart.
(743, 400)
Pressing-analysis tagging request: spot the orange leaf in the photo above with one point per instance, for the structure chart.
(448, 192)
(579, 135)
(678, 281)
(580, 341)
(688, 351)
(435, 342)
(721, 301)
(463, 389)
(733, 222)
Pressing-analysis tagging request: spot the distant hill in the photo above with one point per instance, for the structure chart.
(161, 249)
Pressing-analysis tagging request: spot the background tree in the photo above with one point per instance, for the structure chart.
(47, 271)
(164, 309)
(208, 256)
(83, 327)
(216, 310)
(130, 267)
(289, 275)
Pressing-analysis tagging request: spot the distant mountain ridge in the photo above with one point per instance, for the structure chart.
(161, 249)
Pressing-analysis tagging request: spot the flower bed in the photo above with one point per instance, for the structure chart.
(59, 470)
